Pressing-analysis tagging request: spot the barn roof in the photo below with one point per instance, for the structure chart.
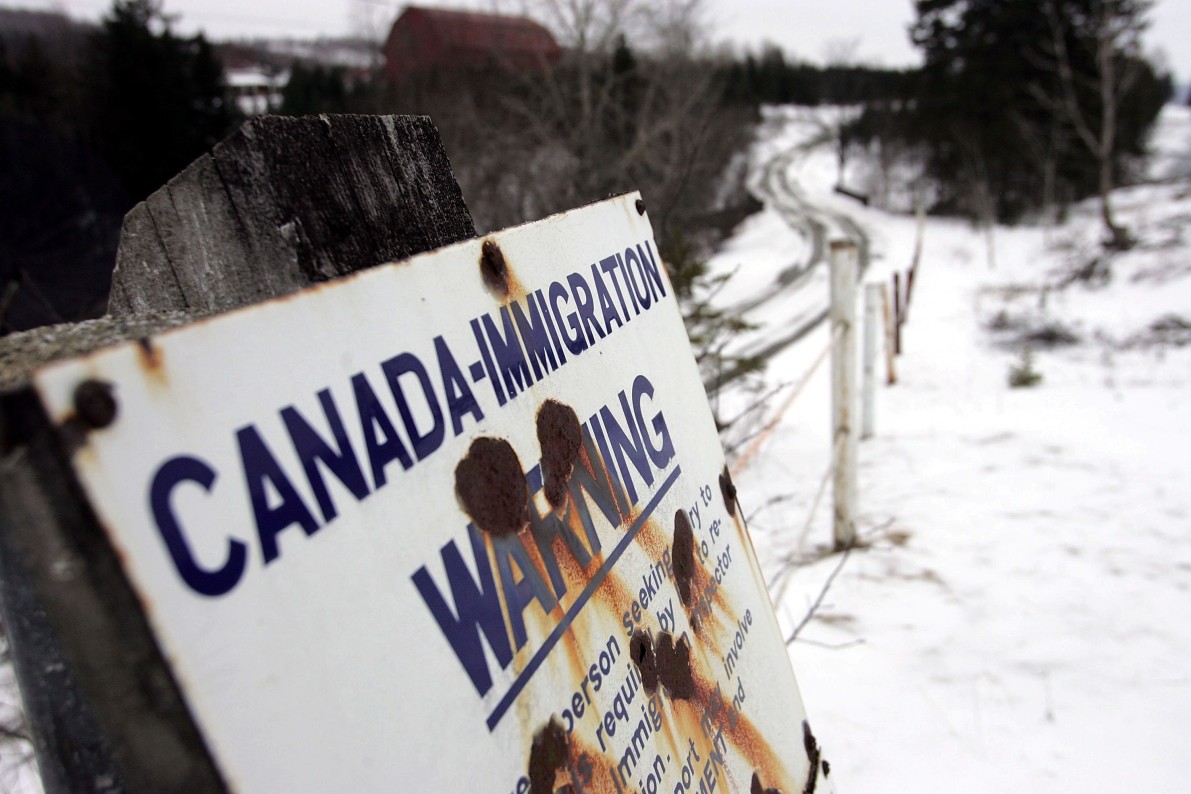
(473, 30)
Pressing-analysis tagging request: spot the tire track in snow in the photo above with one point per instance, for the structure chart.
(780, 191)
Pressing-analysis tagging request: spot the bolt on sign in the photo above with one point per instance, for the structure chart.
(456, 523)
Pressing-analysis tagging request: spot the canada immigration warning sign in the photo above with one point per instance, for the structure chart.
(456, 523)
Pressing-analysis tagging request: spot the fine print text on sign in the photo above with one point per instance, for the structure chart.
(456, 523)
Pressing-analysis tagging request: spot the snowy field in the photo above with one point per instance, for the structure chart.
(1020, 616)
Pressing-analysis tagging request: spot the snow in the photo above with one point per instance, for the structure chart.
(1016, 618)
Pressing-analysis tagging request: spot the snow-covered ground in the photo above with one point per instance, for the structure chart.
(1020, 618)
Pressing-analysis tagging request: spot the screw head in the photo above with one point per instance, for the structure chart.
(640, 207)
(95, 403)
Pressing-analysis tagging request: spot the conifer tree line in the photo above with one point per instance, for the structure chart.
(1025, 105)
(92, 120)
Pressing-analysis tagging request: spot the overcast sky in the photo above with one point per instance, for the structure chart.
(804, 28)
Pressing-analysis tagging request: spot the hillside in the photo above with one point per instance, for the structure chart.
(1015, 620)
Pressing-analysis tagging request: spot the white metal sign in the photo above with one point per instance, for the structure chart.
(455, 523)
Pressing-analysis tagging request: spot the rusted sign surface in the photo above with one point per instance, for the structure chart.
(457, 523)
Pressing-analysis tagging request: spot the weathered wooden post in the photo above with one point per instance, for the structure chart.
(872, 320)
(843, 391)
(890, 353)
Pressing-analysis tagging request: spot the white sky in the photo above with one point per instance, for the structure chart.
(804, 28)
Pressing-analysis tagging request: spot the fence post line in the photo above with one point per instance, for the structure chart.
(843, 390)
(890, 356)
(872, 307)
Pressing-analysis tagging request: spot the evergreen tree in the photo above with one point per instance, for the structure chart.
(314, 89)
(1004, 89)
(160, 99)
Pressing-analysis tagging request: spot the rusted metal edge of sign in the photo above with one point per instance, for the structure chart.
(340, 600)
(105, 710)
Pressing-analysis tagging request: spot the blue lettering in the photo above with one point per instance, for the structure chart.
(385, 448)
(585, 307)
(312, 449)
(477, 609)
(650, 273)
(549, 319)
(460, 399)
(510, 360)
(642, 295)
(535, 339)
(630, 443)
(558, 294)
(261, 470)
(170, 474)
(661, 454)
(606, 307)
(519, 590)
(424, 444)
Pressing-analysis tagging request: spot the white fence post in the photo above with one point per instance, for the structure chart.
(843, 390)
(872, 310)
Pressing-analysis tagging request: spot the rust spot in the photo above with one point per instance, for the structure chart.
(150, 356)
(640, 207)
(561, 438)
(491, 486)
(663, 662)
(641, 651)
(674, 666)
(547, 755)
(95, 403)
(684, 556)
(812, 756)
(493, 267)
(728, 491)
(758, 788)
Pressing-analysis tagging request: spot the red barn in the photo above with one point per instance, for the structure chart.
(430, 40)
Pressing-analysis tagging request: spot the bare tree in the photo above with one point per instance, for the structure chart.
(1111, 30)
(631, 104)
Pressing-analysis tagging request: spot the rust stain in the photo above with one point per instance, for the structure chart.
(812, 756)
(728, 491)
(547, 756)
(561, 439)
(684, 556)
(674, 666)
(491, 487)
(663, 661)
(498, 275)
(739, 731)
(586, 776)
(653, 539)
(641, 652)
(493, 268)
(150, 359)
(758, 788)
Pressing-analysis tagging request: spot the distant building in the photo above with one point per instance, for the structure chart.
(256, 90)
(427, 41)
